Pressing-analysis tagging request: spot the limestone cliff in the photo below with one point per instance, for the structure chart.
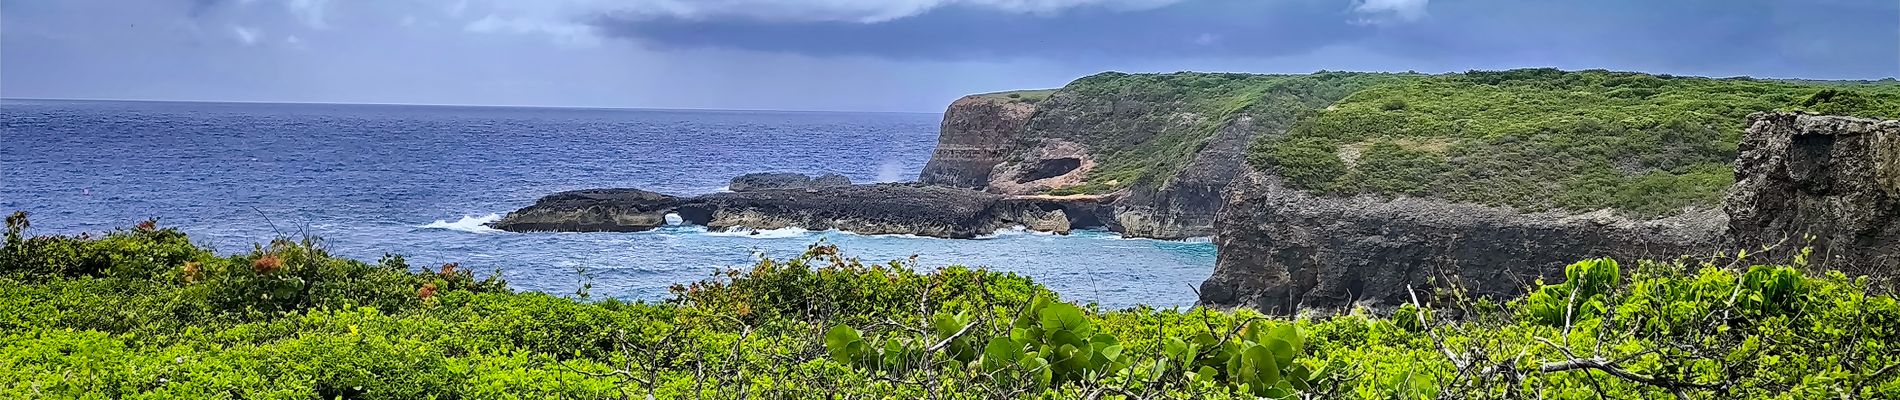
(1158, 148)
(1283, 250)
(978, 132)
(1833, 179)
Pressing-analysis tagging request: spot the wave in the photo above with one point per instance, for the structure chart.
(1017, 230)
(471, 224)
(780, 233)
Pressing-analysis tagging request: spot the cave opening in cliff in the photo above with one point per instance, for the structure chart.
(1050, 168)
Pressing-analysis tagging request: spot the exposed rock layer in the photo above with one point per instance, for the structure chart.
(1835, 179)
(1283, 250)
(978, 132)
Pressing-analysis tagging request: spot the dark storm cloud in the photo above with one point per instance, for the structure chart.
(1859, 38)
(1825, 38)
(1199, 28)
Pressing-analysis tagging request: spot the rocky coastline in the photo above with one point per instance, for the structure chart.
(1802, 180)
(875, 209)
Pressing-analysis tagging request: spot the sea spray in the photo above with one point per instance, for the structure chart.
(471, 224)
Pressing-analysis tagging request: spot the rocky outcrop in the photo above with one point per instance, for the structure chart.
(934, 211)
(978, 132)
(785, 181)
(1833, 179)
(592, 210)
(830, 181)
(1283, 250)
(882, 209)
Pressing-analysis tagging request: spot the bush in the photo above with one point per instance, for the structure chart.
(820, 324)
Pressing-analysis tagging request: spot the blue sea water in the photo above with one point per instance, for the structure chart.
(420, 181)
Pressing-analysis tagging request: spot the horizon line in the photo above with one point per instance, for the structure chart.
(335, 103)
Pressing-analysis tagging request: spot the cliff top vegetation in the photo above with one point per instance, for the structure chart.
(1534, 139)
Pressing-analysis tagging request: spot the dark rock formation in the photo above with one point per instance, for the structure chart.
(1283, 250)
(875, 209)
(1186, 205)
(769, 181)
(935, 211)
(830, 181)
(978, 132)
(592, 210)
(1835, 179)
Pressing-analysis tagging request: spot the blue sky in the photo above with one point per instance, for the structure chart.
(874, 55)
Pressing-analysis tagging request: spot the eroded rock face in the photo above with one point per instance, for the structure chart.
(1050, 164)
(1833, 179)
(1283, 250)
(1186, 205)
(769, 181)
(1836, 179)
(978, 132)
(592, 210)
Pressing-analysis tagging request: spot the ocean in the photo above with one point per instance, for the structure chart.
(421, 180)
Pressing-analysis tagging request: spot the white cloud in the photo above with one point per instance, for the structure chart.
(1206, 39)
(1403, 10)
(564, 32)
(248, 36)
(311, 12)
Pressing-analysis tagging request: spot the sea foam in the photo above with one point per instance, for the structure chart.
(471, 224)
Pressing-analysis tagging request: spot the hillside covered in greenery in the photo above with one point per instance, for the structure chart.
(1534, 139)
(144, 313)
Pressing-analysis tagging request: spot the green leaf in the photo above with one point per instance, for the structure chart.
(1000, 352)
(1175, 348)
(1037, 368)
(1282, 351)
(1260, 362)
(1289, 333)
(839, 342)
(1066, 317)
(1029, 335)
(1205, 374)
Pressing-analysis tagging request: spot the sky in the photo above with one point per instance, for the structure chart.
(874, 55)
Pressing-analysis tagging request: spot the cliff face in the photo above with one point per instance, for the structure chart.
(978, 132)
(1159, 149)
(1834, 179)
(1283, 250)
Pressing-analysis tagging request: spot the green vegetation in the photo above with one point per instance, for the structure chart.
(1543, 139)
(1146, 127)
(1534, 139)
(142, 313)
(1020, 96)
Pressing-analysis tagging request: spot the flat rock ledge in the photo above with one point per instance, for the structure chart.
(880, 209)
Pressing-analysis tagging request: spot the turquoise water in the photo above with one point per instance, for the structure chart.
(420, 180)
